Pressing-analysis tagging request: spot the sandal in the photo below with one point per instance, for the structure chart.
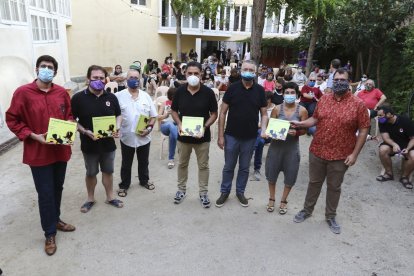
(283, 207)
(270, 208)
(87, 206)
(115, 202)
(122, 192)
(406, 183)
(385, 177)
(148, 185)
(171, 164)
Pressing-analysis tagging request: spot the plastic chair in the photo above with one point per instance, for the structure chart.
(161, 91)
(227, 69)
(216, 93)
(111, 87)
(233, 65)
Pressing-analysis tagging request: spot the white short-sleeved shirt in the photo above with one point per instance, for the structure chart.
(131, 109)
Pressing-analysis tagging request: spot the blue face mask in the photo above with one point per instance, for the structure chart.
(46, 75)
(289, 98)
(133, 83)
(247, 76)
(311, 83)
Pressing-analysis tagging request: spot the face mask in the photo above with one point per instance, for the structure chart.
(278, 90)
(299, 71)
(311, 83)
(247, 76)
(133, 83)
(340, 87)
(363, 79)
(193, 80)
(97, 85)
(208, 72)
(289, 98)
(368, 87)
(263, 75)
(269, 78)
(319, 82)
(45, 75)
(382, 120)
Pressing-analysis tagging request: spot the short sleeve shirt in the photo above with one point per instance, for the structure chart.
(307, 89)
(85, 106)
(244, 104)
(200, 104)
(370, 98)
(400, 132)
(338, 122)
(131, 109)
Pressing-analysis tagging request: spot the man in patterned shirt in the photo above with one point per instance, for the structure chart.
(335, 146)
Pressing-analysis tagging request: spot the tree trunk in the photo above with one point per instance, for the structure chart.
(358, 68)
(178, 32)
(369, 60)
(317, 25)
(378, 84)
(258, 18)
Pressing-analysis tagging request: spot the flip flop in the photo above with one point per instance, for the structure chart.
(269, 207)
(87, 206)
(406, 183)
(148, 185)
(283, 210)
(115, 202)
(122, 192)
(385, 177)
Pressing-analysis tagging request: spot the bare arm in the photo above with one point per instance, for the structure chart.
(222, 120)
(310, 122)
(264, 119)
(381, 101)
(212, 119)
(409, 146)
(387, 139)
(361, 138)
(176, 119)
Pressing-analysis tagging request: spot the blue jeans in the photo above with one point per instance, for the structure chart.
(258, 150)
(49, 186)
(236, 149)
(171, 130)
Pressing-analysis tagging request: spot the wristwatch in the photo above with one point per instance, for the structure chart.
(149, 128)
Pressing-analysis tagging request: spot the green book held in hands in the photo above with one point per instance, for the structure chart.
(61, 132)
(142, 123)
(192, 126)
(277, 129)
(104, 126)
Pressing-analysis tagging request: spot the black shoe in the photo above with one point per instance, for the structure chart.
(243, 200)
(335, 228)
(301, 216)
(221, 200)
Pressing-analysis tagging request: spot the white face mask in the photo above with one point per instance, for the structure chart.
(193, 80)
(363, 79)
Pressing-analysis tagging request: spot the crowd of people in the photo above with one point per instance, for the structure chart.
(322, 105)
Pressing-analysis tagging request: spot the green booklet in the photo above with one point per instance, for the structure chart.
(277, 129)
(104, 127)
(142, 123)
(192, 126)
(61, 132)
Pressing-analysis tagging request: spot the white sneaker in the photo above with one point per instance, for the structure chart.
(256, 175)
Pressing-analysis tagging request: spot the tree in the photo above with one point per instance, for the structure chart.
(258, 18)
(208, 8)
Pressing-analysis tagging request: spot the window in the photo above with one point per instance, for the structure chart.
(13, 10)
(139, 2)
(43, 31)
(236, 18)
(164, 13)
(243, 19)
(44, 28)
(50, 29)
(35, 28)
(56, 29)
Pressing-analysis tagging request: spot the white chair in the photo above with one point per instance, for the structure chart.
(214, 126)
(216, 93)
(163, 138)
(111, 87)
(161, 91)
(158, 102)
(227, 69)
(275, 71)
(233, 65)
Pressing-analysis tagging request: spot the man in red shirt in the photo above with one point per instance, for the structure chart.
(310, 95)
(372, 97)
(335, 146)
(28, 117)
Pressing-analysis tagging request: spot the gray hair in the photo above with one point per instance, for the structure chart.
(250, 62)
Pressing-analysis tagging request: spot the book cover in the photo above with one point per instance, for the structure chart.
(277, 129)
(192, 126)
(104, 126)
(61, 132)
(142, 122)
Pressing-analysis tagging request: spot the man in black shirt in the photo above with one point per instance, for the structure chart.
(243, 101)
(194, 100)
(94, 101)
(398, 135)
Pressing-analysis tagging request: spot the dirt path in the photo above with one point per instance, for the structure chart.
(152, 236)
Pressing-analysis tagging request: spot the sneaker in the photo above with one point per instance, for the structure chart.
(256, 175)
(335, 228)
(243, 200)
(301, 216)
(179, 197)
(205, 202)
(221, 200)
(171, 164)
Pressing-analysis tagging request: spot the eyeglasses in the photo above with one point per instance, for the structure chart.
(340, 79)
(47, 66)
(97, 78)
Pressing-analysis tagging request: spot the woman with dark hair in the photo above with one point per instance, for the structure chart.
(168, 126)
(154, 78)
(284, 156)
(288, 74)
(234, 76)
(208, 77)
(119, 77)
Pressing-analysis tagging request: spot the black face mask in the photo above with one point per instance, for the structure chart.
(279, 90)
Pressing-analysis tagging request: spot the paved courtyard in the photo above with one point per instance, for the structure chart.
(152, 236)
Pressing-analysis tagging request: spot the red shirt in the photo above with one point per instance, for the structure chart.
(338, 122)
(370, 98)
(269, 85)
(29, 112)
(307, 89)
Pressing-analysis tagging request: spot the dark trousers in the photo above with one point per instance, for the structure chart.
(310, 107)
(49, 186)
(127, 159)
(333, 172)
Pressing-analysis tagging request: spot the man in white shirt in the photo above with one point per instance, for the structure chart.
(247, 55)
(320, 83)
(135, 103)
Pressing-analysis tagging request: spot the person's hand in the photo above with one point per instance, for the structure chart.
(396, 148)
(144, 133)
(220, 142)
(404, 151)
(350, 160)
(89, 133)
(115, 134)
(264, 135)
(296, 124)
(292, 132)
(201, 134)
(41, 138)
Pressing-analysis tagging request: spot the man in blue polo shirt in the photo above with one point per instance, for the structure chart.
(243, 101)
